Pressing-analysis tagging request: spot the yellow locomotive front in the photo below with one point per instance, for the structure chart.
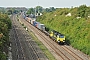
(60, 39)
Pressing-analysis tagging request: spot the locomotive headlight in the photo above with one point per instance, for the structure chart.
(58, 41)
(63, 40)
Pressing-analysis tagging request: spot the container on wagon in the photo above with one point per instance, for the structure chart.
(37, 25)
(28, 19)
(42, 27)
(34, 23)
(23, 16)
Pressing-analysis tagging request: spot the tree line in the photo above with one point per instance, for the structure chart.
(5, 26)
(40, 9)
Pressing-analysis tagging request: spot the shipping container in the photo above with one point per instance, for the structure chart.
(34, 23)
(42, 27)
(37, 25)
(23, 16)
(28, 19)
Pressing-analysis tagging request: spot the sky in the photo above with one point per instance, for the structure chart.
(43, 3)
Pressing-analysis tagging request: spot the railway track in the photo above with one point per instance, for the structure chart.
(18, 54)
(30, 46)
(62, 52)
(72, 53)
(23, 46)
(56, 50)
(64, 48)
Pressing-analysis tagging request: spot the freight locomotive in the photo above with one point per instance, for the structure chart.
(56, 36)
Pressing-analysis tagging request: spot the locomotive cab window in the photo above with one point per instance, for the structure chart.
(62, 36)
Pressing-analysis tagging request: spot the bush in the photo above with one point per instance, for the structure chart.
(5, 25)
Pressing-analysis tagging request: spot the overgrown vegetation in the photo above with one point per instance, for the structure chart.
(5, 25)
(74, 23)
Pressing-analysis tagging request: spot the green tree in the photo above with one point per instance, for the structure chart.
(82, 11)
(39, 9)
(9, 12)
(31, 11)
(52, 9)
(4, 18)
(5, 25)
